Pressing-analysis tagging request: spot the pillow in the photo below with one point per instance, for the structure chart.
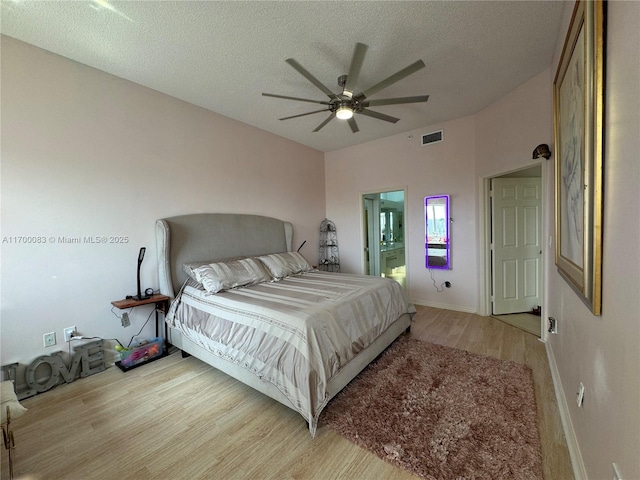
(282, 265)
(220, 276)
(190, 268)
(9, 399)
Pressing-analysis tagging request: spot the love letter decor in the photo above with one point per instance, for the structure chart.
(90, 356)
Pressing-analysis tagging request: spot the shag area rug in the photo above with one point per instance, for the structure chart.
(443, 413)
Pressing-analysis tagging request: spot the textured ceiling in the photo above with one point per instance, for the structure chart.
(221, 55)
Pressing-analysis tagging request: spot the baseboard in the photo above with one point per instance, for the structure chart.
(445, 306)
(579, 470)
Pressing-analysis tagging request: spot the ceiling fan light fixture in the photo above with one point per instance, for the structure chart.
(346, 104)
(344, 112)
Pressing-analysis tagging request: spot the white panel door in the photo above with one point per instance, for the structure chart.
(517, 244)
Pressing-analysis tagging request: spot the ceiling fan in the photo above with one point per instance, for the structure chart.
(346, 103)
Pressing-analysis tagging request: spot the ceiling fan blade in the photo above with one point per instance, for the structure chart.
(321, 102)
(356, 65)
(329, 118)
(405, 72)
(304, 114)
(379, 116)
(394, 101)
(310, 77)
(354, 126)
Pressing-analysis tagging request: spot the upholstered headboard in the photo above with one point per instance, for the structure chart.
(214, 236)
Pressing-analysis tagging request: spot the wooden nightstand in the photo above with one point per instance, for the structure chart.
(161, 305)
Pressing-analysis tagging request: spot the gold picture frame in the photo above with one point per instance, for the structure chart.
(578, 102)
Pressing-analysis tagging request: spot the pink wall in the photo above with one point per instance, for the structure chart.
(603, 352)
(508, 130)
(397, 162)
(497, 139)
(85, 153)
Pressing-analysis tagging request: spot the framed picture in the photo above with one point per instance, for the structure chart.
(578, 102)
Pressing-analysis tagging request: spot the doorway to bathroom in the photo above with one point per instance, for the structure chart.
(384, 235)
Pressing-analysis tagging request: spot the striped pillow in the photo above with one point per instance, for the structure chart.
(282, 265)
(220, 276)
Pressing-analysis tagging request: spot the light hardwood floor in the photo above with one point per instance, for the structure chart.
(524, 321)
(181, 419)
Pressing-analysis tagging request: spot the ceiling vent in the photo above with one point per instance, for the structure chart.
(433, 137)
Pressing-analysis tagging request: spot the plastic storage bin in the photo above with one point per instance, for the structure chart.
(142, 353)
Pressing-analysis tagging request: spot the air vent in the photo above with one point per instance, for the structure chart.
(433, 137)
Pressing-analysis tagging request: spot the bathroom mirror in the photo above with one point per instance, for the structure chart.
(437, 237)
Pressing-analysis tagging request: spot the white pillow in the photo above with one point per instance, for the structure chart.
(190, 268)
(282, 265)
(220, 276)
(10, 400)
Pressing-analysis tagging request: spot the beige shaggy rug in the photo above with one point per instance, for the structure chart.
(443, 413)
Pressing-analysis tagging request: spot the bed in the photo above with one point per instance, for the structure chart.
(299, 335)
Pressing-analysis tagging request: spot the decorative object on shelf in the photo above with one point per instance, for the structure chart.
(578, 107)
(543, 151)
(89, 356)
(329, 259)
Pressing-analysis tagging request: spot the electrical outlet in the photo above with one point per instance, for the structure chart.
(125, 319)
(49, 339)
(580, 395)
(68, 333)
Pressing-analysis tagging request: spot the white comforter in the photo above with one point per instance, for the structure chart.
(296, 333)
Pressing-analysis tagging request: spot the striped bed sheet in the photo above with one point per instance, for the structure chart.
(296, 333)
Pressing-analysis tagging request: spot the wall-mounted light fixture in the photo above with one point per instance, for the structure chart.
(542, 150)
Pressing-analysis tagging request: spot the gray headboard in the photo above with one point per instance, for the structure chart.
(214, 236)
